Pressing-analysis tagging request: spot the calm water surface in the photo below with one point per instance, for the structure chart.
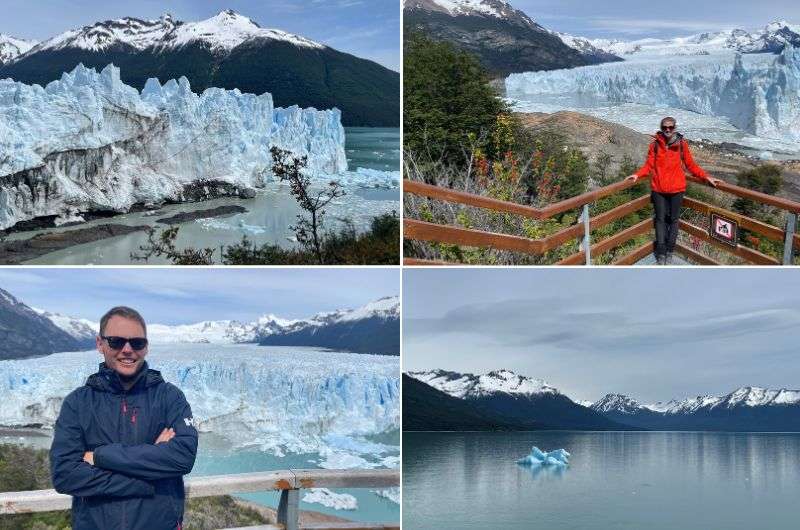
(655, 481)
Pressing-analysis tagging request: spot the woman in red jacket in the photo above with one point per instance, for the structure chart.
(668, 153)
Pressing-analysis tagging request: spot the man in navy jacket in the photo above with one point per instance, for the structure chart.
(124, 440)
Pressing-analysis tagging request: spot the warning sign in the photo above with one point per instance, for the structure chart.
(725, 230)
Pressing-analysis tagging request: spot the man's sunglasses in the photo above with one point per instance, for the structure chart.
(117, 343)
(668, 127)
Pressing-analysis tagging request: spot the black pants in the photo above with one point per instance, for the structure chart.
(667, 208)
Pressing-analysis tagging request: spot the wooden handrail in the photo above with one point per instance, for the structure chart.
(427, 262)
(480, 201)
(424, 231)
(754, 225)
(745, 193)
(747, 254)
(607, 244)
(213, 486)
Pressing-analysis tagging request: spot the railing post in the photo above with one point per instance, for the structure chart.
(289, 509)
(788, 242)
(587, 234)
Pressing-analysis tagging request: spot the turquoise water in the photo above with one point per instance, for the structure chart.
(654, 481)
(215, 460)
(215, 457)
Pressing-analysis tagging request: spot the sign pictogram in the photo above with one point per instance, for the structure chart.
(724, 229)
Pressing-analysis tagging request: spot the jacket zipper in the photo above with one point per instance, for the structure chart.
(124, 428)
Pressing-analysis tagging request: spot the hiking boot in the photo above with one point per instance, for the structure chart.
(661, 259)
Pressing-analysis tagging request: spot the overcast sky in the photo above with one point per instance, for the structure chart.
(652, 334)
(634, 19)
(178, 295)
(365, 28)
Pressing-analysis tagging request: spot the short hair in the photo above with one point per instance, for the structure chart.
(669, 118)
(124, 312)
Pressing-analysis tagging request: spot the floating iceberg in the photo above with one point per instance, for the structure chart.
(557, 458)
(90, 142)
(758, 94)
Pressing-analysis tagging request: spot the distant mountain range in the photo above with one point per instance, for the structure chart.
(504, 400)
(229, 51)
(504, 39)
(12, 47)
(507, 40)
(772, 38)
(25, 332)
(373, 328)
(744, 409)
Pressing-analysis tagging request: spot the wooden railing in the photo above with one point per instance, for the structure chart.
(288, 482)
(424, 231)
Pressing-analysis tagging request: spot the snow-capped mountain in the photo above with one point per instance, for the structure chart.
(475, 8)
(28, 333)
(90, 142)
(511, 397)
(467, 386)
(618, 403)
(228, 50)
(771, 38)
(592, 52)
(221, 33)
(504, 38)
(81, 329)
(373, 328)
(12, 47)
(744, 409)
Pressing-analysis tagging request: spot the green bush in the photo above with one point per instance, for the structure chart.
(447, 101)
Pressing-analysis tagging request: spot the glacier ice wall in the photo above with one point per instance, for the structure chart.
(758, 93)
(277, 399)
(88, 141)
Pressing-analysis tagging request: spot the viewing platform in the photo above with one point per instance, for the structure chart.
(786, 237)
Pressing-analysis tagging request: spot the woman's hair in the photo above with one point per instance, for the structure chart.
(668, 119)
(122, 311)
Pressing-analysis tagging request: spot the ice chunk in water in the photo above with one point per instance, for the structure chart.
(559, 457)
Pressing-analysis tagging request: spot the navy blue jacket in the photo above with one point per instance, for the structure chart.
(133, 484)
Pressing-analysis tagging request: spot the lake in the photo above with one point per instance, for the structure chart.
(616, 480)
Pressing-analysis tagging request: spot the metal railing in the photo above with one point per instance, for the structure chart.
(425, 231)
(289, 482)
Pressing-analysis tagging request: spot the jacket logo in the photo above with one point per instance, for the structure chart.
(189, 422)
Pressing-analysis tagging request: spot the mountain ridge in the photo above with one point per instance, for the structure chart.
(228, 51)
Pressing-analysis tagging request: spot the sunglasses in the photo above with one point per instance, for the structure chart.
(117, 343)
(668, 127)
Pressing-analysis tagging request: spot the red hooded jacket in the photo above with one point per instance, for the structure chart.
(666, 167)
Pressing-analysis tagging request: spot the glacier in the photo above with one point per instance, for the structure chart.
(557, 458)
(758, 94)
(90, 142)
(274, 399)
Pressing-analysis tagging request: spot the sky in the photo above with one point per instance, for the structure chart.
(177, 295)
(634, 19)
(651, 334)
(365, 28)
